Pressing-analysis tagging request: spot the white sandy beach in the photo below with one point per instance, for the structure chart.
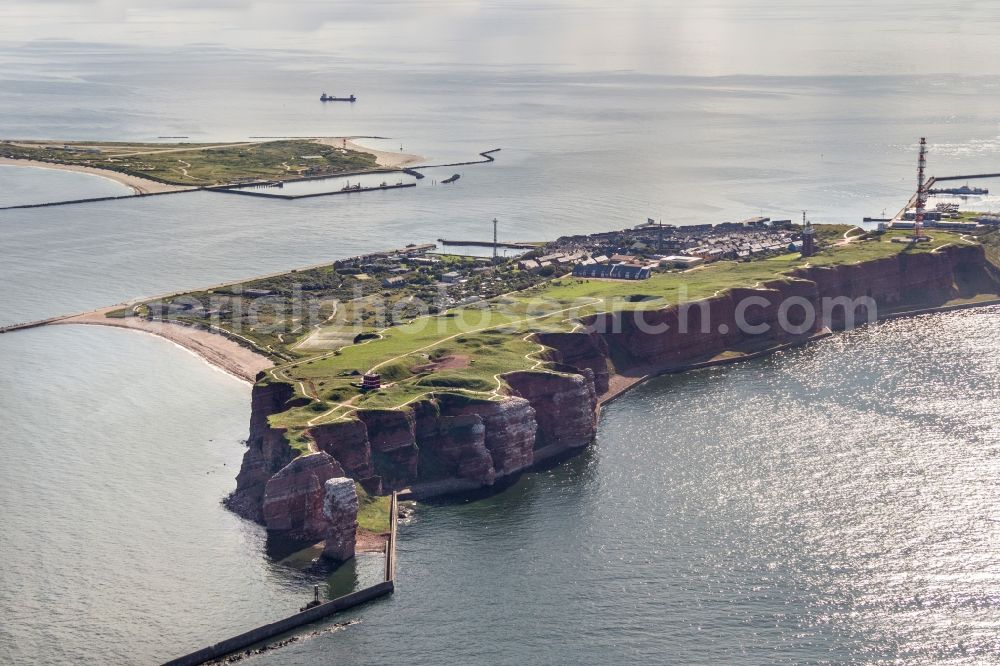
(138, 185)
(384, 158)
(218, 350)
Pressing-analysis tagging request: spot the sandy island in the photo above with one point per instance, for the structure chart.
(218, 350)
(138, 185)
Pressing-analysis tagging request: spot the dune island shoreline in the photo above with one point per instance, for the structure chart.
(160, 168)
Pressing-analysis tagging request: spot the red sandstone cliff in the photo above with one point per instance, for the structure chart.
(293, 497)
(451, 437)
(509, 428)
(700, 330)
(267, 450)
(475, 443)
(579, 351)
(347, 442)
(565, 407)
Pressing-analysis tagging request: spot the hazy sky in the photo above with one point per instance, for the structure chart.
(708, 37)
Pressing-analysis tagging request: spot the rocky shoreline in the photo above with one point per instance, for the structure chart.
(449, 443)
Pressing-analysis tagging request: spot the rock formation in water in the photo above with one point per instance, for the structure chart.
(340, 509)
(293, 498)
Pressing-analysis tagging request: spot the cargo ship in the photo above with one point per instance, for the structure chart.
(333, 98)
(964, 191)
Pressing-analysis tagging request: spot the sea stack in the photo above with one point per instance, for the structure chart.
(340, 508)
(294, 498)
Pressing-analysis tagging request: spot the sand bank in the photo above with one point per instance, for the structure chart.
(218, 350)
(384, 158)
(138, 185)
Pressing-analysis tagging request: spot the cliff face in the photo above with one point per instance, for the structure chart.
(293, 498)
(925, 278)
(700, 329)
(347, 442)
(456, 448)
(476, 443)
(579, 351)
(565, 407)
(267, 450)
(393, 445)
(509, 430)
(775, 312)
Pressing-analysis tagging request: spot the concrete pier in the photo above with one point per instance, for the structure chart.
(289, 197)
(471, 243)
(312, 613)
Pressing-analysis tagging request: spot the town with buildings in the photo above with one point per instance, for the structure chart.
(634, 254)
(391, 287)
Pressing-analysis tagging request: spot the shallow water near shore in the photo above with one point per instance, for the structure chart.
(29, 185)
(831, 503)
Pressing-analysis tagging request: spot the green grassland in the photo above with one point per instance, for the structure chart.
(493, 335)
(466, 350)
(310, 311)
(991, 243)
(373, 511)
(198, 164)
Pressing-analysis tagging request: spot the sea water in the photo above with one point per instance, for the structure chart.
(830, 503)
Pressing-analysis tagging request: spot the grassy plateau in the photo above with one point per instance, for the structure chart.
(465, 350)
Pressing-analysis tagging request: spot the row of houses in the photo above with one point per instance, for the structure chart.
(612, 271)
(412, 253)
(739, 246)
(633, 254)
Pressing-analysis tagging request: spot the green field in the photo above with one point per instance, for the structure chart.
(199, 164)
(373, 511)
(466, 350)
(991, 242)
(492, 336)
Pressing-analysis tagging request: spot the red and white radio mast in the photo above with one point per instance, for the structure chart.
(918, 216)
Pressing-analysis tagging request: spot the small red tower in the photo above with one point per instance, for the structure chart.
(371, 382)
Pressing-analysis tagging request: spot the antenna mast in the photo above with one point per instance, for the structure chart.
(918, 216)
(494, 240)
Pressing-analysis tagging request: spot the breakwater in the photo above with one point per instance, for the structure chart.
(68, 202)
(973, 176)
(32, 324)
(267, 195)
(487, 156)
(471, 243)
(309, 615)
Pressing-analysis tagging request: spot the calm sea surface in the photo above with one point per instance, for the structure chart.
(834, 503)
